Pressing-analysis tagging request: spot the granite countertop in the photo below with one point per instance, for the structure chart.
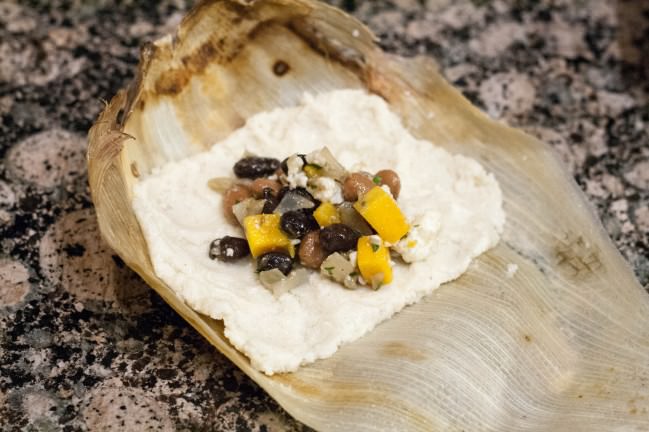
(84, 344)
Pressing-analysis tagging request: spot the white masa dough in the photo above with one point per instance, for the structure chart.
(458, 201)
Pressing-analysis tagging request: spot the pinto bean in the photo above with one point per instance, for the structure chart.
(258, 185)
(232, 196)
(390, 179)
(356, 185)
(311, 253)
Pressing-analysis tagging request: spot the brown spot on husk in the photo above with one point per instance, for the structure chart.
(576, 257)
(172, 82)
(401, 350)
(280, 68)
(201, 58)
(220, 50)
(355, 393)
(134, 170)
(299, 386)
(120, 116)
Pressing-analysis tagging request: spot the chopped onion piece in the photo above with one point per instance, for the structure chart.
(349, 216)
(247, 207)
(330, 166)
(340, 269)
(275, 281)
(293, 201)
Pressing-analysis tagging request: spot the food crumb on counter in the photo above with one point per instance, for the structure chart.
(511, 270)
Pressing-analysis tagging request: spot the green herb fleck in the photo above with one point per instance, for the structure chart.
(329, 270)
(375, 247)
(376, 180)
(353, 274)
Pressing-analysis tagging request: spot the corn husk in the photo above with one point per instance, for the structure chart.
(561, 344)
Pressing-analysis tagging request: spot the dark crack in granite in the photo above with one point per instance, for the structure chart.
(85, 345)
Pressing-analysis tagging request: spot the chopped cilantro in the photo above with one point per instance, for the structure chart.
(376, 180)
(329, 270)
(375, 247)
(353, 274)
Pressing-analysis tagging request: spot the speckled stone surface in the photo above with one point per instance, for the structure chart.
(85, 345)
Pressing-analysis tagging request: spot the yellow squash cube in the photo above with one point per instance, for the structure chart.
(381, 211)
(326, 214)
(264, 235)
(373, 260)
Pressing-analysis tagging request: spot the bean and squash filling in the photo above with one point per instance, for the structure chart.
(309, 213)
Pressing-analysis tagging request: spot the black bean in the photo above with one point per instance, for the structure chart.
(338, 238)
(283, 191)
(297, 223)
(255, 167)
(270, 202)
(267, 193)
(272, 260)
(229, 249)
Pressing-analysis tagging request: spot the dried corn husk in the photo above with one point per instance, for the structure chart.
(562, 344)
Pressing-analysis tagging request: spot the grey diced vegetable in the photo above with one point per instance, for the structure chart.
(339, 269)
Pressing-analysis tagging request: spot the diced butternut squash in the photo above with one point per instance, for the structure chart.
(381, 211)
(373, 260)
(326, 214)
(264, 235)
